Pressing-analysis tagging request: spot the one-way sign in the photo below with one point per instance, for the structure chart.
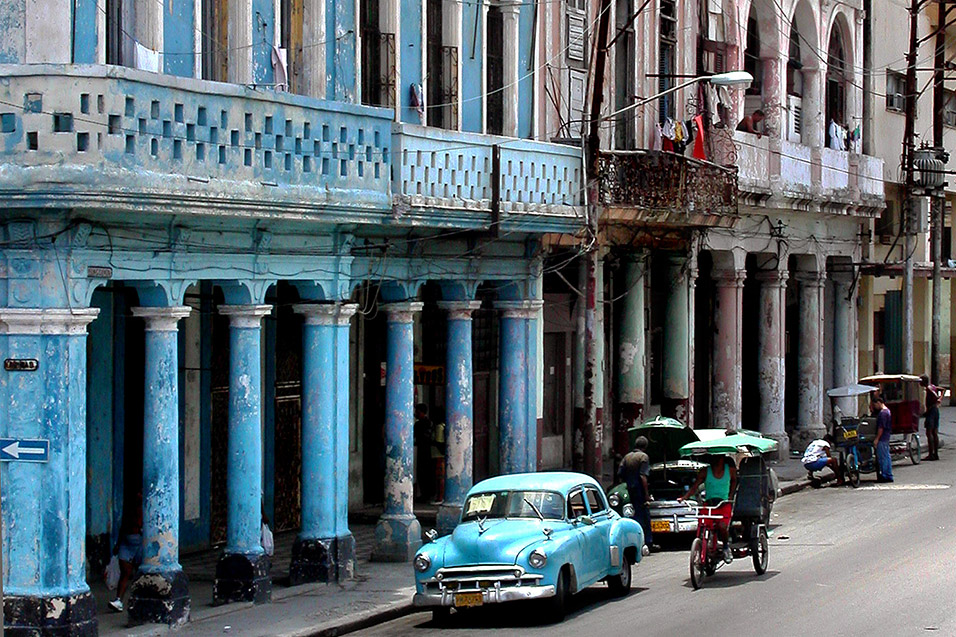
(24, 450)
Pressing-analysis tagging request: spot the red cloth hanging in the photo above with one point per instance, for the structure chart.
(667, 145)
(699, 152)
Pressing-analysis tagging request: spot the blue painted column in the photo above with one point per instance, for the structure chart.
(459, 412)
(44, 503)
(516, 429)
(243, 571)
(324, 550)
(398, 533)
(160, 591)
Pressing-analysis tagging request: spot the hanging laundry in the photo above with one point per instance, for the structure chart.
(668, 129)
(699, 152)
(656, 138)
(279, 69)
(678, 132)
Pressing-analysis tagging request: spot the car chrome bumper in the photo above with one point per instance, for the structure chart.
(489, 596)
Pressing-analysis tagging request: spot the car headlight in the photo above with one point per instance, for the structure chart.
(537, 559)
(628, 510)
(422, 563)
(614, 500)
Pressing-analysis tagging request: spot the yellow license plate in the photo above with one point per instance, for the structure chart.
(847, 435)
(662, 526)
(467, 600)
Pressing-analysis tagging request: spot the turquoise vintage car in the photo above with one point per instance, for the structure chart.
(528, 536)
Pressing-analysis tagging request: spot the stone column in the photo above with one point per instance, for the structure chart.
(313, 62)
(160, 592)
(398, 533)
(727, 347)
(44, 503)
(844, 359)
(459, 413)
(510, 71)
(676, 364)
(632, 352)
(242, 573)
(810, 422)
(324, 550)
(239, 56)
(770, 367)
(516, 435)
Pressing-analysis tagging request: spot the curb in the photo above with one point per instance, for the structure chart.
(358, 621)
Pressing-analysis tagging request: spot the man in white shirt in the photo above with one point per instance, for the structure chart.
(817, 456)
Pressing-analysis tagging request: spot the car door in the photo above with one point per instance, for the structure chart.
(598, 535)
(582, 559)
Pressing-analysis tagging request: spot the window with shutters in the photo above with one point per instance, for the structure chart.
(836, 77)
(215, 45)
(114, 32)
(895, 89)
(624, 54)
(949, 108)
(752, 62)
(794, 64)
(290, 42)
(378, 57)
(666, 54)
(442, 80)
(495, 72)
(577, 33)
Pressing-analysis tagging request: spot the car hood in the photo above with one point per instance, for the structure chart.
(497, 541)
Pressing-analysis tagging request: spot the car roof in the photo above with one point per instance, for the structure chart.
(561, 481)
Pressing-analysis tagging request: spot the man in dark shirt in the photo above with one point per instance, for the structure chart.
(884, 429)
(932, 417)
(634, 470)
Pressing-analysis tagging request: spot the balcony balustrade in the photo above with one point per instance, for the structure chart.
(666, 188)
(108, 136)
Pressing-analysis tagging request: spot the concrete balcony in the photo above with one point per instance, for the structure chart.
(779, 173)
(659, 188)
(447, 177)
(113, 138)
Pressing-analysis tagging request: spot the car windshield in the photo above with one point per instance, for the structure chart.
(548, 505)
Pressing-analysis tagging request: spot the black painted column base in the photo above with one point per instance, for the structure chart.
(242, 578)
(57, 616)
(159, 598)
(322, 560)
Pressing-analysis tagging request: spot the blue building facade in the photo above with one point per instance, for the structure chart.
(217, 229)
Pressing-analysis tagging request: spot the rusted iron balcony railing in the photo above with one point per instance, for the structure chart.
(667, 187)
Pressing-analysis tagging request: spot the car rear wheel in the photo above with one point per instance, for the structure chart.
(620, 585)
(696, 563)
(557, 605)
(760, 551)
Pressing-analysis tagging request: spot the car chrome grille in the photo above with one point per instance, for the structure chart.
(480, 578)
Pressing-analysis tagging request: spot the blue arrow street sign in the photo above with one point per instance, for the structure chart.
(24, 450)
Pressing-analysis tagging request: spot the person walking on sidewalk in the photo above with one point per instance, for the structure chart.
(884, 429)
(931, 417)
(634, 471)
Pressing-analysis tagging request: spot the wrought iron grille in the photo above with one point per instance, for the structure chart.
(449, 97)
(667, 182)
(378, 68)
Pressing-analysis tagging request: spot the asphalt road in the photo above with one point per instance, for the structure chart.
(878, 560)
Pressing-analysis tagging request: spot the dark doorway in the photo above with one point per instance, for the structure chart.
(750, 350)
(495, 71)
(373, 427)
(703, 339)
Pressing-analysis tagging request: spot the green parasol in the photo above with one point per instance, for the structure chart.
(733, 443)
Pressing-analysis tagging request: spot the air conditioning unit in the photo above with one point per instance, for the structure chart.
(894, 101)
(795, 119)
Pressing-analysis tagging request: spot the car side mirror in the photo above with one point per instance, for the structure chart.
(431, 535)
(586, 520)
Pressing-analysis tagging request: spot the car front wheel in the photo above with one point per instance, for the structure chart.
(557, 605)
(620, 585)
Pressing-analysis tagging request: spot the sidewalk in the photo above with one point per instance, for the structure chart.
(379, 592)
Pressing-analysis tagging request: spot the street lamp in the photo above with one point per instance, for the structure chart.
(730, 78)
